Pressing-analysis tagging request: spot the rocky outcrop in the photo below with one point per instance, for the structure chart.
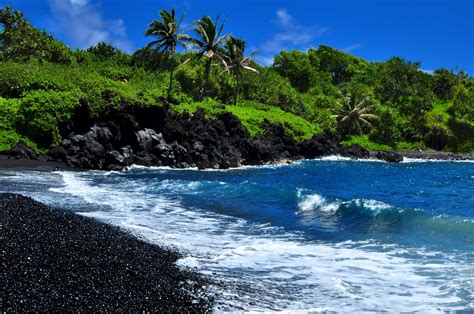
(22, 151)
(152, 136)
(387, 156)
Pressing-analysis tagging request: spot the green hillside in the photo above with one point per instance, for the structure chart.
(379, 105)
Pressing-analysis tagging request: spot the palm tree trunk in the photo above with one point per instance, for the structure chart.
(170, 88)
(207, 72)
(236, 91)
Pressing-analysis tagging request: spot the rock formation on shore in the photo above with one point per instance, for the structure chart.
(153, 136)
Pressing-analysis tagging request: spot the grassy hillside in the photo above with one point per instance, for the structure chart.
(383, 105)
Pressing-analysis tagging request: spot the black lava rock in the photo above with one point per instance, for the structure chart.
(22, 151)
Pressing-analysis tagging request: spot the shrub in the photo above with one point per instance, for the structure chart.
(387, 128)
(364, 141)
(8, 113)
(17, 79)
(270, 88)
(409, 146)
(41, 113)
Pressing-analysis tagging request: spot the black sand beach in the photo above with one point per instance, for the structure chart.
(56, 261)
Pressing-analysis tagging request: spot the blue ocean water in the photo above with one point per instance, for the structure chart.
(318, 235)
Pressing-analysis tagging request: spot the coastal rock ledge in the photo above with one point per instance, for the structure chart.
(154, 136)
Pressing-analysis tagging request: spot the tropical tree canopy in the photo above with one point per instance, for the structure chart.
(208, 42)
(237, 63)
(168, 32)
(169, 35)
(354, 114)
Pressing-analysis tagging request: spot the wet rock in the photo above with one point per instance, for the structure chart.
(22, 151)
(197, 146)
(58, 153)
(103, 135)
(355, 151)
(127, 154)
(388, 156)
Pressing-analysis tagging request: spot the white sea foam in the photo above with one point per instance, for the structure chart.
(311, 202)
(316, 201)
(417, 160)
(262, 268)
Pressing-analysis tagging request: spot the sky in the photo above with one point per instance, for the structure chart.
(437, 33)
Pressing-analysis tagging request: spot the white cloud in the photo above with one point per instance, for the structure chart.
(284, 18)
(79, 2)
(85, 26)
(352, 47)
(431, 72)
(291, 36)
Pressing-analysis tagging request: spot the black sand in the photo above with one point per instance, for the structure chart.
(56, 261)
(12, 163)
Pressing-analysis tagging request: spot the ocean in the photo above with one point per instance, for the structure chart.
(317, 235)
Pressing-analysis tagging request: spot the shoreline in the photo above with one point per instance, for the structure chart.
(55, 260)
(47, 165)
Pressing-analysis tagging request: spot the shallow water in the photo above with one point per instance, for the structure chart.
(319, 235)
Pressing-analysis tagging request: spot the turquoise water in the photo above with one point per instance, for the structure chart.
(317, 235)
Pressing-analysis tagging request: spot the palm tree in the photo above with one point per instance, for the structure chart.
(208, 43)
(169, 36)
(352, 114)
(236, 62)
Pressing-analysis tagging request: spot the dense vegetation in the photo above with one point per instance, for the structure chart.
(379, 105)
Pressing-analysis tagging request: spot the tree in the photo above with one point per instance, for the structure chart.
(209, 43)
(342, 66)
(237, 63)
(353, 114)
(398, 79)
(444, 82)
(169, 35)
(103, 51)
(296, 66)
(20, 41)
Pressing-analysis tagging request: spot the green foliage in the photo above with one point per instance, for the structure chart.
(268, 87)
(463, 103)
(103, 51)
(211, 108)
(409, 146)
(365, 142)
(444, 82)
(399, 81)
(40, 114)
(22, 42)
(8, 122)
(342, 66)
(354, 115)
(9, 138)
(463, 135)
(18, 79)
(8, 112)
(253, 116)
(387, 127)
(149, 59)
(296, 67)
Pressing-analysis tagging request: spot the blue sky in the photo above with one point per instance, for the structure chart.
(438, 33)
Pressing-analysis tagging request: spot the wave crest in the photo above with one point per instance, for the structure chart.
(317, 202)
